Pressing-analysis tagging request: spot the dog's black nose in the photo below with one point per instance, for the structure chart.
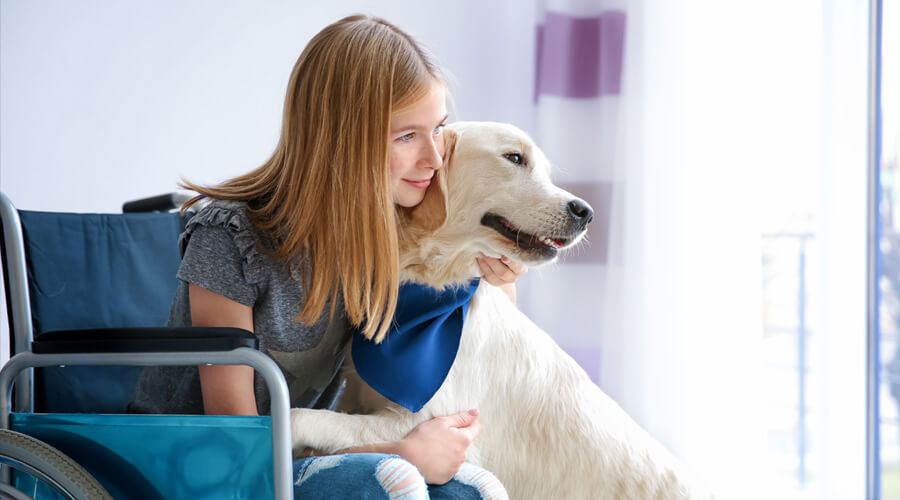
(580, 210)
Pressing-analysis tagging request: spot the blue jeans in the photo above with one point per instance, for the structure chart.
(378, 476)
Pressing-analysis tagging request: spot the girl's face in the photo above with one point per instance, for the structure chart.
(417, 146)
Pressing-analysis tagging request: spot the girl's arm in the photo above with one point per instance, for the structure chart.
(436, 447)
(227, 389)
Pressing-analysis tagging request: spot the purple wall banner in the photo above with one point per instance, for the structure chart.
(580, 57)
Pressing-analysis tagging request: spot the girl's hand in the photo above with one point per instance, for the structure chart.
(438, 446)
(502, 272)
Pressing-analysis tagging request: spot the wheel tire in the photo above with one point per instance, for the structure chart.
(78, 483)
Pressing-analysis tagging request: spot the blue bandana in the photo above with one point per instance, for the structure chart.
(410, 365)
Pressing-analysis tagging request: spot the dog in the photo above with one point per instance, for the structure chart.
(547, 430)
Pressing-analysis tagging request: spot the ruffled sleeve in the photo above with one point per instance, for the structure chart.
(221, 252)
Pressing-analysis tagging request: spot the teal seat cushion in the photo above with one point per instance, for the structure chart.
(162, 456)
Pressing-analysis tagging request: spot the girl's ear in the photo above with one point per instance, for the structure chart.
(431, 214)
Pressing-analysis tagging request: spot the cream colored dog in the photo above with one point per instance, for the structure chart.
(548, 432)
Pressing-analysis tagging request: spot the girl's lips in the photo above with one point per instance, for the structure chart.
(418, 184)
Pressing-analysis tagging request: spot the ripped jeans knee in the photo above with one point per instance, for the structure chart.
(379, 476)
(487, 484)
(371, 476)
(401, 479)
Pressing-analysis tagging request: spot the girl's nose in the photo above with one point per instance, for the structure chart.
(431, 154)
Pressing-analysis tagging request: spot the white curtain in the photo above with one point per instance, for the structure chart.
(666, 313)
(722, 128)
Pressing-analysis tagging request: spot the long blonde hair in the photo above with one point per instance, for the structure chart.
(325, 193)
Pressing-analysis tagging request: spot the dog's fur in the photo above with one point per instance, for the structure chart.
(547, 430)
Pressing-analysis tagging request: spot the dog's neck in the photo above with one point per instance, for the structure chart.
(436, 258)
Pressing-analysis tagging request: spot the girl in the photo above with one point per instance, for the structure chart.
(303, 250)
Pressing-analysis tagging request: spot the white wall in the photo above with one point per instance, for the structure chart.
(102, 101)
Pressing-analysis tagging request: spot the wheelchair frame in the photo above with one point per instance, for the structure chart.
(112, 351)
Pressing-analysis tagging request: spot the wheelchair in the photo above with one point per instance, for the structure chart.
(87, 295)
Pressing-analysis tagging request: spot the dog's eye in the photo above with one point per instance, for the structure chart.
(516, 158)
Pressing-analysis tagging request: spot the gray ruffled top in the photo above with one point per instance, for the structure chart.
(223, 252)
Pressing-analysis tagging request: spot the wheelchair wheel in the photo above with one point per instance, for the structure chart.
(46, 464)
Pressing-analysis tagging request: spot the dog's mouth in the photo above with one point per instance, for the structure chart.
(546, 246)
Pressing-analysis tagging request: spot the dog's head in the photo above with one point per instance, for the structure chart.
(494, 194)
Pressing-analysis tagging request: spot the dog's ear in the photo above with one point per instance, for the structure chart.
(431, 214)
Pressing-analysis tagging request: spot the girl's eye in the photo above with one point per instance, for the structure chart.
(439, 129)
(406, 137)
(516, 158)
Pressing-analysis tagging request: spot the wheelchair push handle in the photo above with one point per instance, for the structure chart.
(158, 203)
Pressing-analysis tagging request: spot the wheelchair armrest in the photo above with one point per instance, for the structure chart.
(169, 339)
